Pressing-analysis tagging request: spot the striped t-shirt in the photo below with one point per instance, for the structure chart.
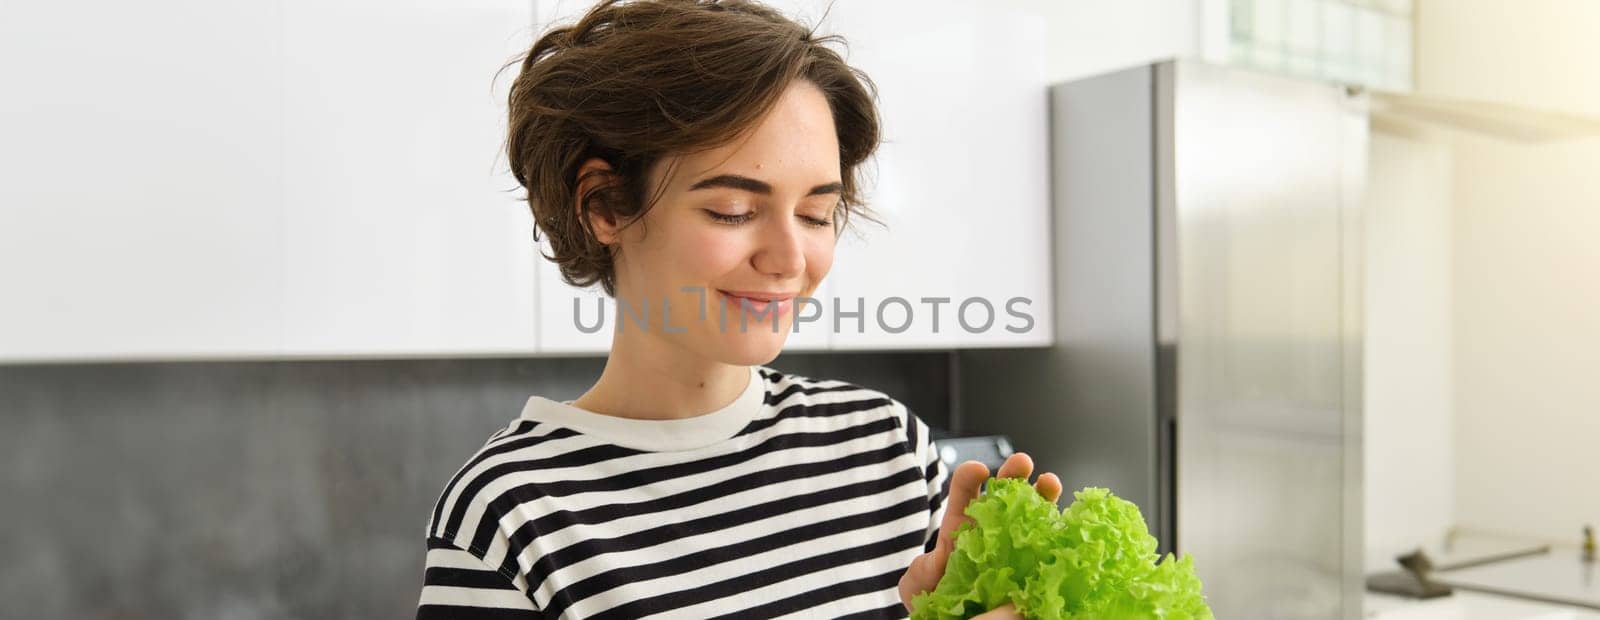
(802, 498)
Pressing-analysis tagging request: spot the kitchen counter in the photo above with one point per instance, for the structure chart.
(1541, 579)
(1470, 606)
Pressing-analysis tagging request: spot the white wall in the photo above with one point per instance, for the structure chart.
(1527, 335)
(1526, 265)
(1409, 464)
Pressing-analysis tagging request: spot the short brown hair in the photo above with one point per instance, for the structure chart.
(634, 82)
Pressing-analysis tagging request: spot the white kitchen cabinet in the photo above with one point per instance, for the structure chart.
(402, 230)
(251, 180)
(559, 332)
(297, 179)
(140, 180)
(961, 179)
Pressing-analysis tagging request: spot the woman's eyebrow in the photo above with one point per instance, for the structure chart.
(734, 181)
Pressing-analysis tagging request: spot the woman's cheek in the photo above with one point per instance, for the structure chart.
(819, 259)
(714, 253)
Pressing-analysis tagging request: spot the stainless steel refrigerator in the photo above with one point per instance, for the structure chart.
(1207, 270)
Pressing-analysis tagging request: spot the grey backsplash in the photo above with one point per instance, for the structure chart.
(246, 490)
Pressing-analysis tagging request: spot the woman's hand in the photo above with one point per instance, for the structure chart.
(965, 485)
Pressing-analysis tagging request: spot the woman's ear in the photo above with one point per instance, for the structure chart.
(595, 173)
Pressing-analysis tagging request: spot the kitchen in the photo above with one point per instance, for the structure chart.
(265, 324)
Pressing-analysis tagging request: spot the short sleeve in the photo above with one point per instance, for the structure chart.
(933, 473)
(458, 584)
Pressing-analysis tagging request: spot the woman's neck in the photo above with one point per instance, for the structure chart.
(650, 379)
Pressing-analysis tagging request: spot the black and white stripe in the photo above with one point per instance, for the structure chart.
(813, 509)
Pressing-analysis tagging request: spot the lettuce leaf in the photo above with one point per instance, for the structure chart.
(1094, 559)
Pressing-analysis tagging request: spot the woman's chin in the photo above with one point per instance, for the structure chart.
(752, 348)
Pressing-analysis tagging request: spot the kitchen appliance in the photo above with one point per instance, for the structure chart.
(991, 450)
(1207, 275)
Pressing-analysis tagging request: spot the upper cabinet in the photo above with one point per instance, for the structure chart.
(297, 179)
(255, 180)
(1529, 56)
(1363, 42)
(404, 232)
(961, 179)
(571, 320)
(141, 181)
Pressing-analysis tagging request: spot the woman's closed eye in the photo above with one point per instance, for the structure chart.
(740, 218)
(730, 218)
(816, 222)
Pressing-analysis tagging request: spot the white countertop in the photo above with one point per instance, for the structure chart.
(1559, 576)
(1553, 575)
(1465, 605)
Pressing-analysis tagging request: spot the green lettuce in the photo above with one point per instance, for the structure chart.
(1094, 559)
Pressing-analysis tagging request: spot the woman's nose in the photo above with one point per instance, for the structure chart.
(781, 253)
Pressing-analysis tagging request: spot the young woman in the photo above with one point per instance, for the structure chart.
(697, 156)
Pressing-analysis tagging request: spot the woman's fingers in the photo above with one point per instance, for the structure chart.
(1018, 465)
(1048, 485)
(965, 484)
(922, 575)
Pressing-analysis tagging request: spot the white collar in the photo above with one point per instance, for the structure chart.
(655, 435)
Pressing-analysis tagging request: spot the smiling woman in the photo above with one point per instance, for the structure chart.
(750, 220)
(680, 153)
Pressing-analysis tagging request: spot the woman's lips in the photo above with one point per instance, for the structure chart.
(759, 303)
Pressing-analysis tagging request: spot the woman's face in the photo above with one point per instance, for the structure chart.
(737, 226)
